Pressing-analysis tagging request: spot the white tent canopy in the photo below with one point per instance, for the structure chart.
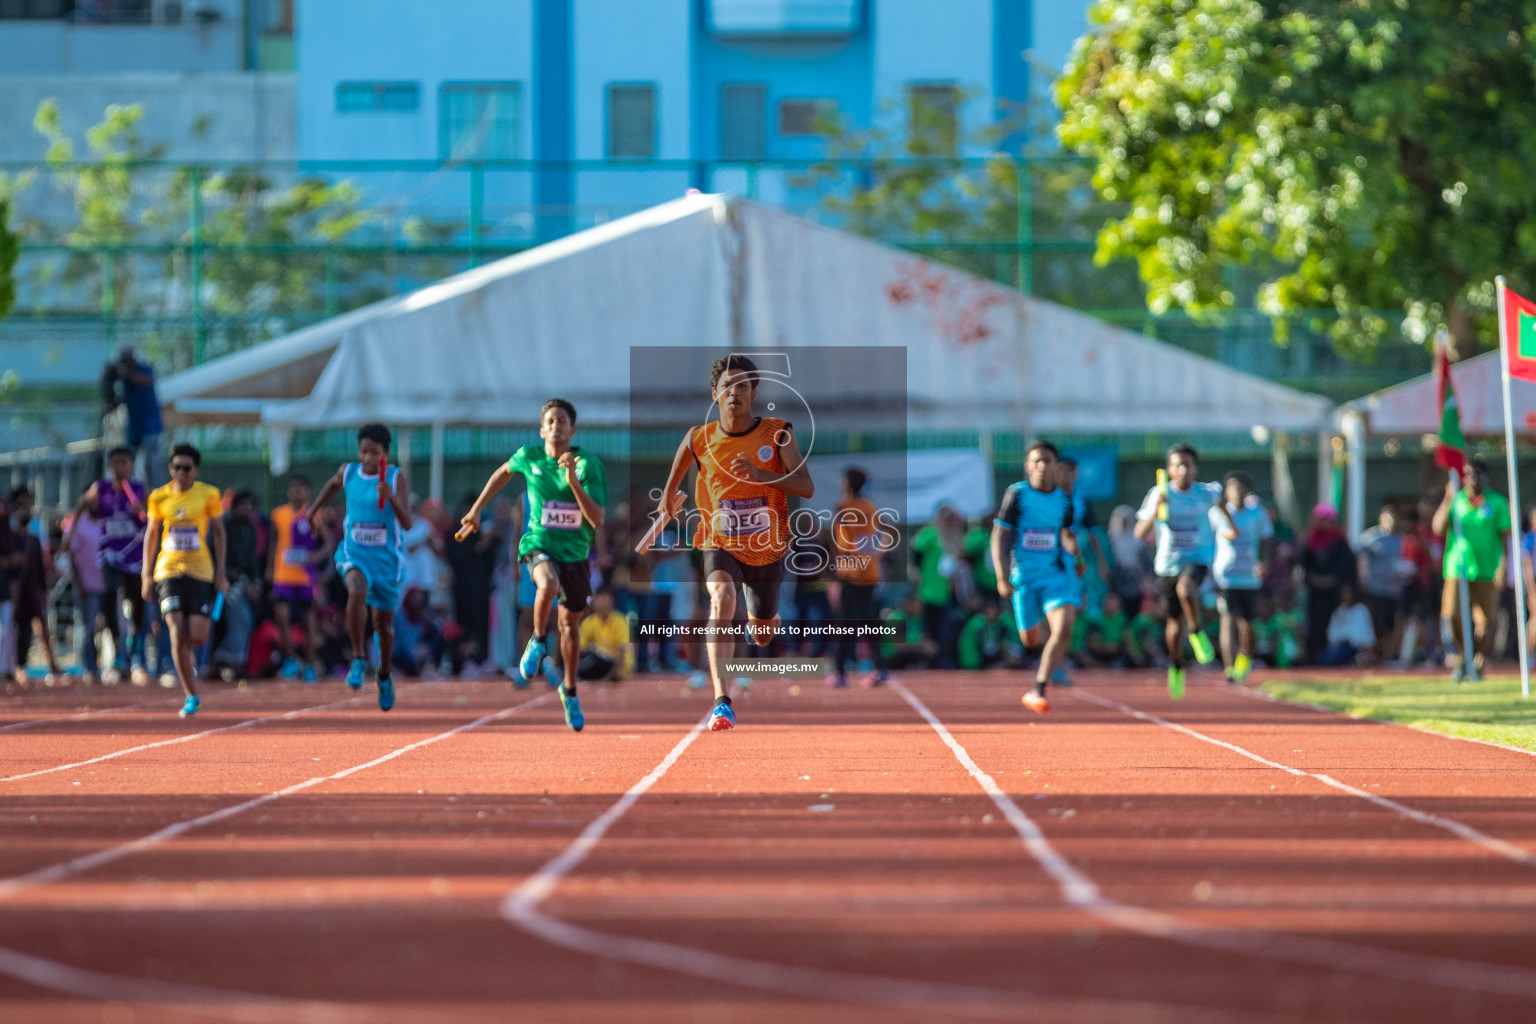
(1412, 407)
(489, 345)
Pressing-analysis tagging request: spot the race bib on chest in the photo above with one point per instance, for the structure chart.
(119, 529)
(560, 515)
(295, 556)
(1182, 539)
(1038, 540)
(738, 517)
(369, 535)
(183, 538)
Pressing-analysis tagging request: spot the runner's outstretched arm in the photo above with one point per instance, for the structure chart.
(329, 491)
(471, 521)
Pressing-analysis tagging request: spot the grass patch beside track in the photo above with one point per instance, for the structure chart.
(1491, 710)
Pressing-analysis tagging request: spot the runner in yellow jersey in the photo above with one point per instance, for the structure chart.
(747, 466)
(184, 543)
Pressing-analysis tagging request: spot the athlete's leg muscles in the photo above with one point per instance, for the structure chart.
(722, 612)
(282, 617)
(188, 632)
(357, 612)
(547, 579)
(311, 634)
(570, 644)
(384, 628)
(1245, 637)
(1061, 621)
(1230, 625)
(1189, 602)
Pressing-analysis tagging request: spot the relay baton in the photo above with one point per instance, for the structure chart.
(218, 606)
(384, 477)
(654, 532)
(1162, 485)
(463, 532)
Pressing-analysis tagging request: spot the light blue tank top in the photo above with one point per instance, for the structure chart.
(370, 533)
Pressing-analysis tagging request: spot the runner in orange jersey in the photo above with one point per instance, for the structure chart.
(747, 466)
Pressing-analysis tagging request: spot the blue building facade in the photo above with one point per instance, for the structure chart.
(637, 101)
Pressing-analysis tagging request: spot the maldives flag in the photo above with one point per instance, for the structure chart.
(1520, 325)
(1451, 451)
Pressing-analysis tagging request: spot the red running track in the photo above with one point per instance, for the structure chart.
(929, 851)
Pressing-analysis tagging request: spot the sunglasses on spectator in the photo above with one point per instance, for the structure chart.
(182, 467)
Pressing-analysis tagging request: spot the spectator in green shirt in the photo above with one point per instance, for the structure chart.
(943, 579)
(1475, 524)
(989, 638)
(909, 647)
(978, 551)
(1147, 631)
(1110, 639)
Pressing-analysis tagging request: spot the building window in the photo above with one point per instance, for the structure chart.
(805, 117)
(631, 122)
(29, 10)
(357, 96)
(933, 111)
(277, 17)
(743, 121)
(479, 120)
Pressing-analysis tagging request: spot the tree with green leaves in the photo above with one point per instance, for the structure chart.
(10, 248)
(914, 180)
(250, 226)
(1371, 157)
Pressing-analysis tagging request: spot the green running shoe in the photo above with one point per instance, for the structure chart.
(1175, 683)
(1204, 652)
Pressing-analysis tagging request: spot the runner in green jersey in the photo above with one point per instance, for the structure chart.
(567, 490)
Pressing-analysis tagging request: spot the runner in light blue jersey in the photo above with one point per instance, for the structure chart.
(1038, 565)
(1176, 515)
(1239, 569)
(370, 557)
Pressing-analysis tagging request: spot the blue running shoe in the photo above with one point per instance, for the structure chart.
(356, 673)
(552, 675)
(386, 693)
(722, 718)
(533, 656)
(1060, 677)
(519, 680)
(191, 707)
(291, 669)
(309, 673)
(698, 679)
(572, 705)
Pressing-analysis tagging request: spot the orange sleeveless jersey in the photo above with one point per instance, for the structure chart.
(749, 520)
(855, 532)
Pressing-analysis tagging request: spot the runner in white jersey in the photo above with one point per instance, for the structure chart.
(1177, 515)
(1239, 569)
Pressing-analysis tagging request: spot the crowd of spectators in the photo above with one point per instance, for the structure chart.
(466, 609)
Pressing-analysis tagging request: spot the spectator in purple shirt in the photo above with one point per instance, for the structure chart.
(118, 503)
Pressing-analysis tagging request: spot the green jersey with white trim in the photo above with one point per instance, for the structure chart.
(555, 524)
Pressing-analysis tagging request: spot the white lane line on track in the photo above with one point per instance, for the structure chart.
(246, 724)
(82, 716)
(86, 984)
(55, 872)
(1079, 890)
(1243, 691)
(1459, 829)
(521, 908)
(203, 1002)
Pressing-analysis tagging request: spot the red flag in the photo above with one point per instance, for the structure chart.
(1520, 331)
(1451, 451)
